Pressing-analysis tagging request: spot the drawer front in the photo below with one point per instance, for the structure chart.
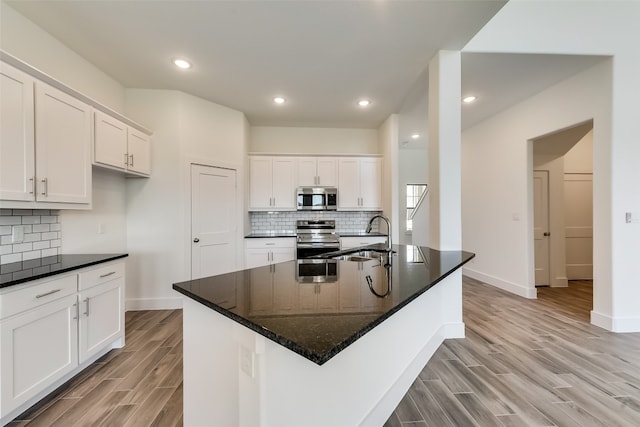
(30, 295)
(100, 274)
(262, 243)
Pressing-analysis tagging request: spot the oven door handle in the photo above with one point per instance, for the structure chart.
(318, 245)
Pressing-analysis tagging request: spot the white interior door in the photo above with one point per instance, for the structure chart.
(578, 211)
(541, 227)
(213, 221)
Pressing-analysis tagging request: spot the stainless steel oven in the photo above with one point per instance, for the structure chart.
(316, 237)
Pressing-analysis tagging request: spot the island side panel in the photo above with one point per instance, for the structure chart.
(210, 368)
(360, 386)
(363, 384)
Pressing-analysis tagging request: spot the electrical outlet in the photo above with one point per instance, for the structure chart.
(247, 361)
(101, 228)
(17, 234)
(632, 217)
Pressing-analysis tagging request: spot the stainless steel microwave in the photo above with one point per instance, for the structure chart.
(317, 198)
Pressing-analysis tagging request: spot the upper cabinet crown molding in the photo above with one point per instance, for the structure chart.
(44, 77)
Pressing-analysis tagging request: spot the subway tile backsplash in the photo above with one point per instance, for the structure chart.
(41, 234)
(286, 221)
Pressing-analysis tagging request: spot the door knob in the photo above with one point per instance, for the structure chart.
(196, 240)
(547, 234)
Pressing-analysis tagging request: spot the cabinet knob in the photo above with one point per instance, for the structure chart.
(196, 240)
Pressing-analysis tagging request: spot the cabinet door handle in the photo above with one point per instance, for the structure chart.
(32, 184)
(107, 274)
(126, 159)
(48, 293)
(86, 313)
(44, 186)
(131, 160)
(75, 305)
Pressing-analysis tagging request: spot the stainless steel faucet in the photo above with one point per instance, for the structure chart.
(385, 219)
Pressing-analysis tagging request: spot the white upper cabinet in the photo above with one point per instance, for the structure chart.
(63, 147)
(119, 146)
(110, 141)
(45, 145)
(360, 183)
(138, 152)
(272, 183)
(317, 171)
(17, 146)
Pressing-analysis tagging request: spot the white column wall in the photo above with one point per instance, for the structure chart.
(444, 151)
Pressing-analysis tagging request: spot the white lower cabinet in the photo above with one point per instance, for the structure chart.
(39, 347)
(265, 251)
(50, 327)
(101, 322)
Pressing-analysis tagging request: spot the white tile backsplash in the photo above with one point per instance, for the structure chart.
(286, 221)
(42, 234)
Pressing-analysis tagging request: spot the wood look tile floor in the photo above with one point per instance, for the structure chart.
(522, 363)
(527, 363)
(138, 385)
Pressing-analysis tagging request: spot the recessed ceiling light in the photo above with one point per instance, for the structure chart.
(364, 103)
(415, 136)
(182, 63)
(279, 100)
(469, 99)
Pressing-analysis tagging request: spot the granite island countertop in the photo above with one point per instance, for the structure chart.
(318, 320)
(24, 271)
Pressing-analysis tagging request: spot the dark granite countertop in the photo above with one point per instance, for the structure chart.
(263, 234)
(318, 320)
(360, 234)
(19, 272)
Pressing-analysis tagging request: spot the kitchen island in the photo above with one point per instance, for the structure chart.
(272, 347)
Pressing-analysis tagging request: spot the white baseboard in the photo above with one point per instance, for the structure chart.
(397, 391)
(514, 288)
(453, 330)
(615, 324)
(135, 304)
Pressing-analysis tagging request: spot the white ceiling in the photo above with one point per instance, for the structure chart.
(320, 55)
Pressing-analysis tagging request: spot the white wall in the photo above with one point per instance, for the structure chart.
(25, 40)
(389, 147)
(186, 129)
(413, 169)
(306, 140)
(497, 176)
(28, 42)
(605, 28)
